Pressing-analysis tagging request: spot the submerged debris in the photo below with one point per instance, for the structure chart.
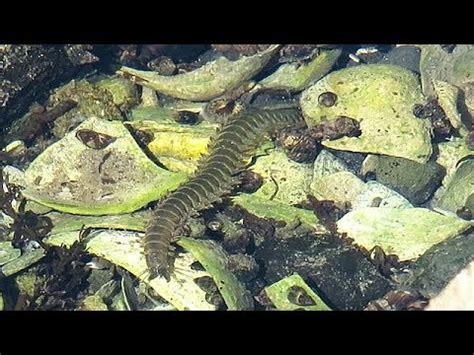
(65, 279)
(328, 212)
(244, 49)
(302, 145)
(38, 120)
(442, 127)
(26, 226)
(398, 300)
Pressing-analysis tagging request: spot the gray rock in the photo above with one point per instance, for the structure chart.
(459, 189)
(434, 269)
(404, 56)
(344, 277)
(415, 181)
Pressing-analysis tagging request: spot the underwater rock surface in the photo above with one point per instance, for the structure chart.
(292, 293)
(177, 146)
(413, 180)
(405, 232)
(294, 77)
(75, 175)
(344, 277)
(285, 180)
(381, 98)
(35, 66)
(207, 82)
(460, 189)
(433, 270)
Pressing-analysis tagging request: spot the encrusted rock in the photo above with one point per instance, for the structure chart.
(413, 180)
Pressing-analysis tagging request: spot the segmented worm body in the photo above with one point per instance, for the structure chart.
(217, 174)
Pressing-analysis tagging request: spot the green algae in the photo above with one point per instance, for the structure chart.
(381, 98)
(280, 295)
(406, 232)
(70, 176)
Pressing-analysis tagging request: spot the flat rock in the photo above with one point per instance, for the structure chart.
(285, 180)
(343, 276)
(342, 186)
(381, 97)
(374, 191)
(415, 181)
(406, 232)
(74, 176)
(435, 268)
(460, 188)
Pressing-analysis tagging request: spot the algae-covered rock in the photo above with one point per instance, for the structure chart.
(462, 65)
(177, 146)
(13, 175)
(433, 66)
(158, 114)
(447, 98)
(207, 82)
(93, 303)
(124, 92)
(381, 98)
(22, 262)
(449, 154)
(295, 77)
(93, 169)
(375, 194)
(265, 208)
(342, 186)
(413, 180)
(65, 223)
(455, 68)
(285, 180)
(26, 282)
(8, 252)
(149, 98)
(406, 232)
(215, 261)
(292, 293)
(124, 248)
(91, 99)
(327, 163)
(460, 188)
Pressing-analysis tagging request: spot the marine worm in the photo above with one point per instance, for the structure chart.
(217, 174)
